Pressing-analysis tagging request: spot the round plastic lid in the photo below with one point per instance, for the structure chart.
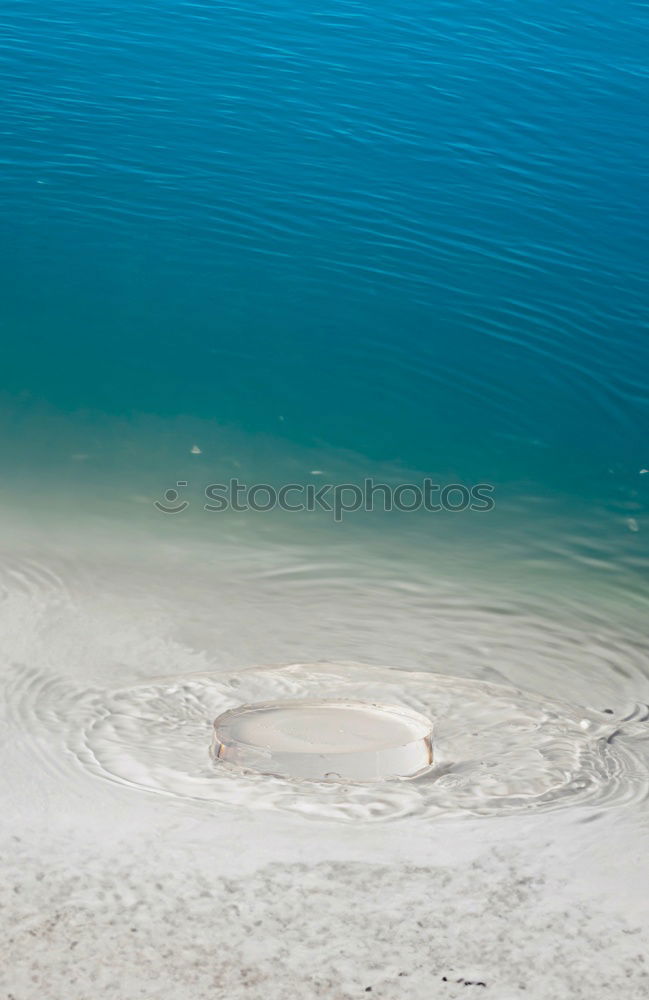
(325, 740)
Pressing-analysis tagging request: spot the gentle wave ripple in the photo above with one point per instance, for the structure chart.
(497, 750)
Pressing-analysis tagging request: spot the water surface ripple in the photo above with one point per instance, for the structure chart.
(497, 750)
(431, 215)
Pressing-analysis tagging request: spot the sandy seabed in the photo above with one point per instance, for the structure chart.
(113, 892)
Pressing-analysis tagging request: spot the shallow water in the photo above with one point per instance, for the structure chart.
(496, 749)
(518, 633)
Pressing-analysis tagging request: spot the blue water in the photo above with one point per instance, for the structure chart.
(414, 231)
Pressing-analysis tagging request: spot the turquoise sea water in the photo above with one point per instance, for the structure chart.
(414, 232)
